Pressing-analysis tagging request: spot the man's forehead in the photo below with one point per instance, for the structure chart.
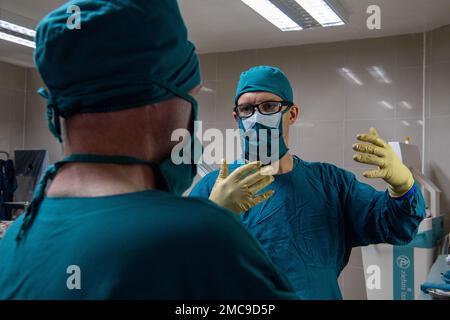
(257, 97)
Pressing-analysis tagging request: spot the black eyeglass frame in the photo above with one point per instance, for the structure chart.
(283, 103)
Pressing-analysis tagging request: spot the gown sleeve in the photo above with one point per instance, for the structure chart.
(373, 216)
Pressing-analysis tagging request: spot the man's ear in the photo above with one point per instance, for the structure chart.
(294, 113)
(235, 116)
(195, 91)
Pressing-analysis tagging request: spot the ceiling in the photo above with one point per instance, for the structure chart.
(229, 25)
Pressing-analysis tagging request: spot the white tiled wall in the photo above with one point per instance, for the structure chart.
(12, 107)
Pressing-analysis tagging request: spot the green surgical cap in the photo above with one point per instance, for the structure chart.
(264, 79)
(127, 53)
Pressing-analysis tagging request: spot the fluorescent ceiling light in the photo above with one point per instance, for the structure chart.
(322, 12)
(17, 29)
(17, 34)
(17, 40)
(273, 14)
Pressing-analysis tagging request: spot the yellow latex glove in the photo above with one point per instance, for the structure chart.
(237, 193)
(379, 153)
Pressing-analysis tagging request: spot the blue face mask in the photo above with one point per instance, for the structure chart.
(262, 137)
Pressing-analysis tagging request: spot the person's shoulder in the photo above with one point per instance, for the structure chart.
(207, 211)
(318, 166)
(170, 202)
(186, 212)
(325, 170)
(190, 224)
(210, 227)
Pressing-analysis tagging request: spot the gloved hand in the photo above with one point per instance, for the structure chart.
(237, 193)
(381, 154)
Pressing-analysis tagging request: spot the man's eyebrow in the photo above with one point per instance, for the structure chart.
(270, 100)
(262, 101)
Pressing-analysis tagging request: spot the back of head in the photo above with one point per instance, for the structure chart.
(126, 54)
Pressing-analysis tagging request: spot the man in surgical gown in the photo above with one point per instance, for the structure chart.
(318, 212)
(112, 224)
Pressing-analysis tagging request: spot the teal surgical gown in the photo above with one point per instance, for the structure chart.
(318, 213)
(144, 245)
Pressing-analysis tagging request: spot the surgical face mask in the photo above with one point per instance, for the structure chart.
(262, 137)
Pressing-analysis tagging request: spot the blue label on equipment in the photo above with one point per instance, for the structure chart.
(403, 273)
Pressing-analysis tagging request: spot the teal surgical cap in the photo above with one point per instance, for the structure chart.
(127, 53)
(265, 79)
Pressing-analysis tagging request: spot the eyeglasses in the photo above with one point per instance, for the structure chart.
(246, 110)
